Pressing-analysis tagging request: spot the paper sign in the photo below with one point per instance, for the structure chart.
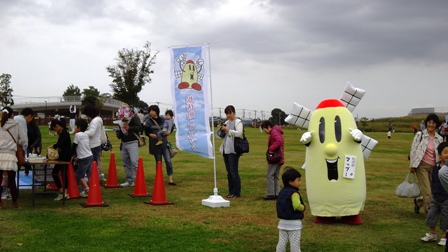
(349, 167)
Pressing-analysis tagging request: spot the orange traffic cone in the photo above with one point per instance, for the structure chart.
(140, 183)
(112, 178)
(72, 187)
(94, 199)
(159, 197)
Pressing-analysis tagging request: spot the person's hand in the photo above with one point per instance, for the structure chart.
(356, 134)
(224, 128)
(306, 137)
(412, 170)
(166, 133)
(153, 136)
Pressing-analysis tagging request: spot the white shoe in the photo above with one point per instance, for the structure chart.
(125, 184)
(442, 242)
(429, 237)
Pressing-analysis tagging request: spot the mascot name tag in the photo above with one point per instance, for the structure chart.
(349, 167)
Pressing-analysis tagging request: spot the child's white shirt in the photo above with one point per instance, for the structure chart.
(83, 148)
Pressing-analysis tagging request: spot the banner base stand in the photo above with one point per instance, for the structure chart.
(215, 201)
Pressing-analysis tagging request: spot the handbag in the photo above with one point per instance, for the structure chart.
(274, 157)
(20, 154)
(173, 150)
(408, 190)
(141, 140)
(241, 145)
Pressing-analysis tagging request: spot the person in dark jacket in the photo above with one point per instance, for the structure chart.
(290, 210)
(64, 147)
(34, 142)
(439, 203)
(275, 143)
(152, 126)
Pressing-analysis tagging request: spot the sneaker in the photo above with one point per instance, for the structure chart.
(159, 142)
(429, 237)
(67, 196)
(83, 194)
(59, 197)
(442, 242)
(127, 184)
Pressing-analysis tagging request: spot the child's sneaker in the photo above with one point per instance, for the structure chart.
(67, 196)
(429, 237)
(442, 242)
(59, 197)
(84, 194)
(159, 142)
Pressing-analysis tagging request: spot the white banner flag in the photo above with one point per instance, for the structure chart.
(190, 86)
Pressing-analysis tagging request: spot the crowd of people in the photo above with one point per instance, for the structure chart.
(429, 153)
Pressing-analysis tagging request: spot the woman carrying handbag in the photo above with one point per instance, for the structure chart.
(11, 135)
(274, 157)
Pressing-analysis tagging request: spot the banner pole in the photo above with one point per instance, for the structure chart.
(215, 200)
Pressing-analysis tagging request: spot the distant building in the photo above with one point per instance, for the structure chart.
(46, 107)
(422, 111)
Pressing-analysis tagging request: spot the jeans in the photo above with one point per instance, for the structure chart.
(272, 181)
(166, 155)
(233, 177)
(129, 158)
(96, 151)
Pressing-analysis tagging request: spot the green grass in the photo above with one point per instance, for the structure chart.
(249, 224)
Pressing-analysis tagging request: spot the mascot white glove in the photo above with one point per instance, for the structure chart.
(306, 137)
(356, 134)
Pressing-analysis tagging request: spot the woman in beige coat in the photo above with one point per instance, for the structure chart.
(423, 157)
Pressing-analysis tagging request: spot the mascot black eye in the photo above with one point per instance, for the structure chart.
(337, 128)
(322, 130)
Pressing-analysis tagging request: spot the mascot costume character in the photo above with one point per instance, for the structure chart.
(335, 173)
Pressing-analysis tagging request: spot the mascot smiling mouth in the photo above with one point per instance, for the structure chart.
(332, 169)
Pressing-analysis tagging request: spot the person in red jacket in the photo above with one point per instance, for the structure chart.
(275, 143)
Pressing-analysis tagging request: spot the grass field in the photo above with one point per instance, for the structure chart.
(249, 224)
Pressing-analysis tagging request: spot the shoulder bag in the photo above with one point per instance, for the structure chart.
(173, 150)
(141, 140)
(19, 152)
(408, 190)
(241, 145)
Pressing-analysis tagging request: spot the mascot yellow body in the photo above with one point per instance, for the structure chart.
(335, 173)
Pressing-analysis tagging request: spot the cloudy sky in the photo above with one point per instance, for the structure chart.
(264, 54)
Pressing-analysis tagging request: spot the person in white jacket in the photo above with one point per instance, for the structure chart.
(94, 131)
(11, 134)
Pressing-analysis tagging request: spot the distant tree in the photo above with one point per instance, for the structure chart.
(131, 73)
(143, 105)
(364, 122)
(72, 90)
(6, 90)
(90, 95)
(102, 98)
(278, 116)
